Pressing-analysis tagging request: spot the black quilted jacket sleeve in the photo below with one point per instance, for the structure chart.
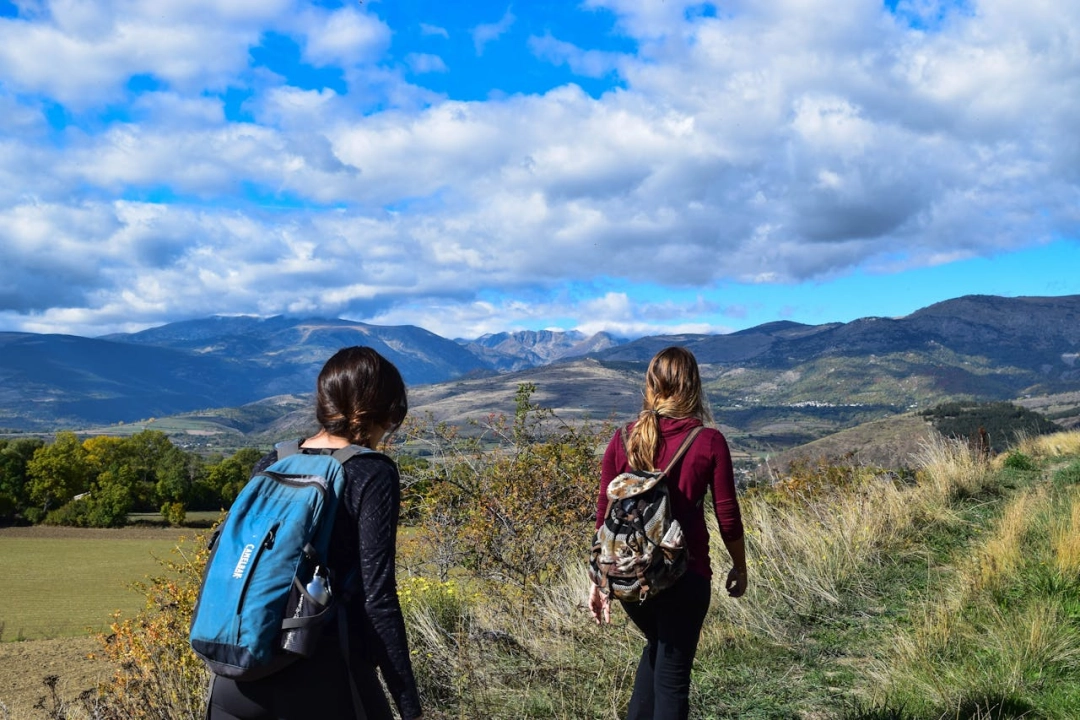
(365, 533)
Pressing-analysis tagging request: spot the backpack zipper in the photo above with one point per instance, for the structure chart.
(266, 544)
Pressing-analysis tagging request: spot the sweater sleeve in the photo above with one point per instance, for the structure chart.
(725, 500)
(377, 521)
(609, 468)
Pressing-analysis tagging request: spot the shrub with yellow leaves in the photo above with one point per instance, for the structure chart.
(156, 673)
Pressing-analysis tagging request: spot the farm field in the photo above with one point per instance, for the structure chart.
(64, 585)
(64, 582)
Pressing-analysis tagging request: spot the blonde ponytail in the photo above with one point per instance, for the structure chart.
(672, 389)
(643, 441)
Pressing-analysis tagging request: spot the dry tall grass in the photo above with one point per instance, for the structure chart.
(950, 655)
(1051, 446)
(473, 659)
(950, 468)
(1065, 539)
(987, 634)
(1003, 553)
(806, 553)
(808, 550)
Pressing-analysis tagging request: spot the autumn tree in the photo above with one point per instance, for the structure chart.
(514, 501)
(58, 472)
(112, 488)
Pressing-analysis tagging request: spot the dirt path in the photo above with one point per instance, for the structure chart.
(24, 666)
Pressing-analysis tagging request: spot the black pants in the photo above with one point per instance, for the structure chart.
(314, 688)
(672, 623)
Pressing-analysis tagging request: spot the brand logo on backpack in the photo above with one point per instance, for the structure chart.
(245, 558)
(639, 549)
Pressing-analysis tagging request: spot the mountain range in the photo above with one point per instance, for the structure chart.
(49, 381)
(781, 382)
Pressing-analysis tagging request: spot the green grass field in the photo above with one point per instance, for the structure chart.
(63, 582)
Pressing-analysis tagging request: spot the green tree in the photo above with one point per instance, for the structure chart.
(14, 482)
(58, 472)
(145, 450)
(175, 474)
(224, 479)
(997, 425)
(164, 474)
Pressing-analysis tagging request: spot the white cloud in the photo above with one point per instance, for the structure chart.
(82, 53)
(425, 63)
(588, 63)
(487, 32)
(173, 110)
(779, 142)
(427, 29)
(344, 37)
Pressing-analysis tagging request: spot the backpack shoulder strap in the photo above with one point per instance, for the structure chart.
(350, 451)
(287, 448)
(683, 448)
(343, 454)
(292, 447)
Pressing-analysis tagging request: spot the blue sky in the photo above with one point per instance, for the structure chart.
(640, 167)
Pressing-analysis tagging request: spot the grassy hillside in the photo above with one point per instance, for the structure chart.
(1062, 408)
(573, 391)
(225, 430)
(947, 593)
(893, 442)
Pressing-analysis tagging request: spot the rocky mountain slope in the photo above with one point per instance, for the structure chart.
(526, 349)
(288, 352)
(1030, 334)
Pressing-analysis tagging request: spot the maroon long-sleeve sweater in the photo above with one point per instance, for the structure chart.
(705, 466)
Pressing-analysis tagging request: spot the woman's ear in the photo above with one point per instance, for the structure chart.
(376, 435)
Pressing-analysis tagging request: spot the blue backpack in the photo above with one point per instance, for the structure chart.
(264, 599)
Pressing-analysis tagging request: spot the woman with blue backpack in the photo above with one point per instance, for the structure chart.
(360, 400)
(655, 474)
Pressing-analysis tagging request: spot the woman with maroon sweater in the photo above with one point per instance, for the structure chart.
(671, 620)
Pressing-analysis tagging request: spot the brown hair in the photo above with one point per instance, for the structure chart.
(358, 390)
(672, 389)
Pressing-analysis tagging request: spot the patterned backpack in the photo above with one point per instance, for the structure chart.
(639, 550)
